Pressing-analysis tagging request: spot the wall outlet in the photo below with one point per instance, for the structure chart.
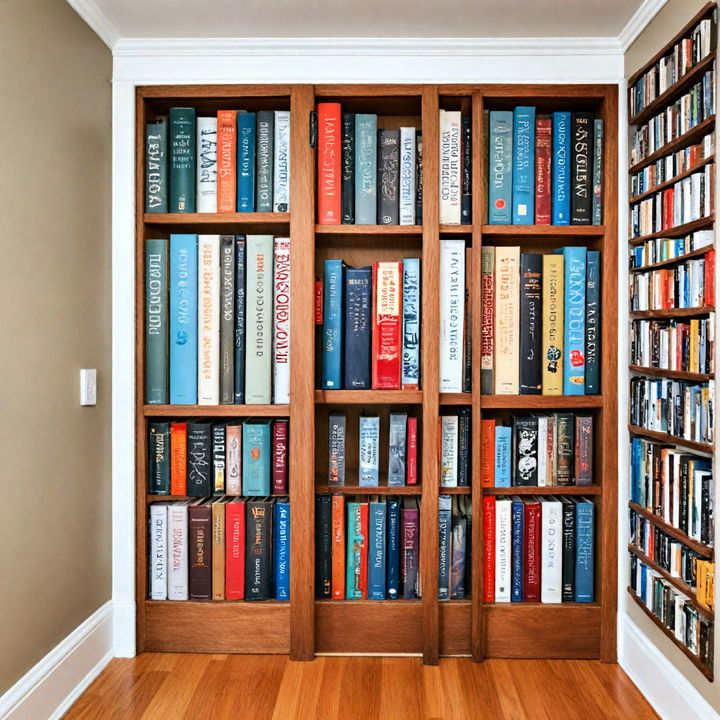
(88, 386)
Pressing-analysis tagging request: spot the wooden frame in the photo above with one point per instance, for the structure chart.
(306, 626)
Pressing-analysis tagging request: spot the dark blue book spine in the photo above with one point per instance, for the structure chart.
(584, 552)
(561, 168)
(444, 530)
(518, 551)
(523, 173)
(332, 349)
(376, 550)
(246, 162)
(281, 550)
(592, 324)
(239, 319)
(392, 559)
(358, 305)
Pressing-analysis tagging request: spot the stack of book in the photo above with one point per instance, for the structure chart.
(538, 549)
(544, 169)
(220, 549)
(369, 550)
(217, 323)
(455, 168)
(657, 250)
(231, 162)
(454, 547)
(199, 458)
(367, 323)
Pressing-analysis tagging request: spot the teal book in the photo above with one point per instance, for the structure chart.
(246, 162)
(503, 456)
(183, 150)
(264, 152)
(574, 330)
(256, 456)
(584, 550)
(332, 328)
(377, 548)
(561, 168)
(500, 167)
(355, 547)
(523, 172)
(156, 166)
(365, 169)
(156, 322)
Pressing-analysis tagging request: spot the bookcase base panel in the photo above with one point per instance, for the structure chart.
(455, 623)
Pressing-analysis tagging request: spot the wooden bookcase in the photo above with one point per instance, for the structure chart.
(693, 136)
(306, 626)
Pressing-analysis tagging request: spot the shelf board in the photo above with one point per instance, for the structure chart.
(462, 490)
(172, 498)
(360, 230)
(216, 410)
(672, 312)
(398, 601)
(220, 219)
(525, 606)
(675, 374)
(455, 398)
(677, 231)
(547, 490)
(462, 229)
(545, 230)
(668, 183)
(694, 659)
(668, 439)
(539, 402)
(368, 397)
(700, 548)
(672, 261)
(354, 489)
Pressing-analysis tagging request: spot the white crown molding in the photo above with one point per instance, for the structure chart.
(638, 22)
(97, 20)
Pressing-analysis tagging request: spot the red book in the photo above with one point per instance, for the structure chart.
(411, 459)
(279, 462)
(543, 159)
(337, 549)
(709, 281)
(226, 160)
(487, 453)
(532, 549)
(329, 155)
(235, 550)
(386, 327)
(489, 548)
(363, 549)
(178, 458)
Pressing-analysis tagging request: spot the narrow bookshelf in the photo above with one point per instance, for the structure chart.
(671, 248)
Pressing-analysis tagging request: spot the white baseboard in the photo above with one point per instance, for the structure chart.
(665, 688)
(56, 682)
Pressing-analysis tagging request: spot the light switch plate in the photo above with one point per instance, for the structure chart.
(88, 386)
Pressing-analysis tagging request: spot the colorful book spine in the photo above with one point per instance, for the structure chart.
(407, 176)
(489, 514)
(449, 451)
(583, 450)
(386, 331)
(450, 166)
(411, 323)
(507, 320)
(452, 303)
(258, 299)
(332, 347)
(281, 162)
(258, 541)
(500, 165)
(156, 322)
(463, 447)
(156, 166)
(369, 451)
(584, 551)
(240, 340)
(183, 133)
(487, 452)
(574, 332)
(487, 327)
(336, 449)
(409, 547)
(365, 169)
(199, 459)
(568, 549)
(178, 458)
(418, 178)
(444, 540)
(218, 458)
(503, 456)
(227, 319)
(235, 550)
(543, 161)
(598, 153)
(329, 157)
(525, 450)
(517, 572)
(281, 321)
(356, 558)
(233, 459)
(281, 550)
(553, 323)
(397, 435)
(264, 161)
(377, 548)
(412, 451)
(393, 548)
(178, 552)
(323, 546)
(227, 161)
(217, 518)
(246, 128)
(523, 187)
(206, 165)
(348, 169)
(338, 547)
(592, 324)
(531, 281)
(159, 458)
(581, 168)
(561, 168)
(200, 554)
(533, 528)
(388, 168)
(256, 457)
(503, 548)
(208, 363)
(466, 176)
(158, 551)
(280, 440)
(358, 307)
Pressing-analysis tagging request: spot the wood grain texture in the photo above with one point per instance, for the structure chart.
(368, 397)
(676, 374)
(672, 312)
(677, 231)
(564, 231)
(666, 438)
(216, 410)
(540, 402)
(551, 490)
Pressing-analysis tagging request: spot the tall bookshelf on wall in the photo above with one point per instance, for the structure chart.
(477, 623)
(671, 251)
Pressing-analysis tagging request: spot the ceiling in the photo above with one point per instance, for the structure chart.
(365, 18)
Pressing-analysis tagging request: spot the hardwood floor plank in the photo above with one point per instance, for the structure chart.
(400, 689)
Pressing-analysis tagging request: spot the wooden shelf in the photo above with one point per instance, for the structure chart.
(540, 402)
(461, 229)
(216, 410)
(249, 221)
(462, 490)
(677, 231)
(456, 398)
(672, 261)
(672, 312)
(698, 547)
(547, 490)
(368, 230)
(368, 397)
(565, 231)
(668, 183)
(354, 489)
(675, 374)
(668, 439)
(366, 602)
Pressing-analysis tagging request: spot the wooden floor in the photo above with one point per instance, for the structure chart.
(235, 687)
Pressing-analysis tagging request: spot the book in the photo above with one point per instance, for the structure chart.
(452, 297)
(503, 549)
(574, 331)
(347, 188)
(592, 323)
(583, 473)
(418, 177)
(531, 282)
(517, 571)
(358, 305)
(412, 451)
(411, 324)
(281, 321)
(336, 449)
(338, 547)
(584, 551)
(365, 169)
(581, 167)
(597, 165)
(409, 547)
(177, 542)
(233, 459)
(488, 527)
(464, 450)
(156, 322)
(281, 162)
(503, 456)
(449, 450)
(377, 528)
(329, 159)
(256, 457)
(183, 142)
(551, 551)
(227, 160)
(444, 549)
(356, 547)
(553, 323)
(280, 441)
(227, 319)
(206, 164)
(156, 166)
(258, 541)
(178, 458)
(487, 323)
(543, 162)
(199, 459)
(450, 163)
(532, 536)
(158, 551)
(525, 450)
(200, 550)
(239, 359)
(235, 549)
(369, 451)
(386, 326)
(564, 471)
(217, 518)
(397, 439)
(487, 452)
(407, 176)
(246, 131)
(264, 155)
(500, 167)
(323, 546)
(388, 177)
(523, 172)
(208, 319)
(507, 320)
(466, 177)
(332, 329)
(568, 549)
(561, 158)
(393, 548)
(218, 458)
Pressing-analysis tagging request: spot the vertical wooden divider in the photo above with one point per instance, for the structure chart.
(302, 374)
(430, 374)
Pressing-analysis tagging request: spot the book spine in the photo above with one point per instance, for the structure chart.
(177, 552)
(568, 550)
(411, 324)
(264, 161)
(397, 435)
(410, 534)
(281, 550)
(281, 324)
(178, 458)
(208, 319)
(533, 527)
(183, 132)
(227, 161)
(281, 162)
(332, 347)
(449, 450)
(581, 199)
(365, 169)
(583, 449)
(235, 550)
(452, 299)
(218, 455)
(503, 456)
(487, 452)
(503, 549)
(200, 552)
(418, 178)
(227, 319)
(218, 550)
(362, 566)
(500, 167)
(393, 548)
(256, 458)
(329, 157)
(463, 447)
(488, 507)
(387, 314)
(565, 448)
(280, 457)
(584, 552)
(358, 305)
(543, 159)
(517, 590)
(156, 322)
(561, 168)
(246, 130)
(369, 451)
(598, 152)
(450, 162)
(338, 547)
(347, 190)
(487, 339)
(553, 321)
(388, 178)
(199, 459)
(156, 166)
(336, 449)
(466, 195)
(525, 451)
(592, 324)
(444, 533)
(233, 460)
(574, 332)
(531, 323)
(507, 320)
(407, 175)
(551, 552)
(207, 164)
(258, 561)
(239, 360)
(412, 448)
(523, 187)
(377, 550)
(158, 552)
(323, 546)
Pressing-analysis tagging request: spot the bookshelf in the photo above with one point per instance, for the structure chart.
(306, 626)
(657, 517)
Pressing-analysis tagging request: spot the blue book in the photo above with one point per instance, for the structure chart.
(365, 169)
(444, 531)
(358, 306)
(500, 167)
(635, 455)
(593, 331)
(411, 324)
(256, 451)
(523, 172)
(156, 321)
(239, 320)
(503, 456)
(561, 168)
(377, 523)
(183, 319)
(355, 539)
(392, 556)
(281, 549)
(332, 347)
(574, 331)
(517, 584)
(584, 550)
(246, 162)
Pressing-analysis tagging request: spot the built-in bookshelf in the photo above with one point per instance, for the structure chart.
(306, 626)
(672, 136)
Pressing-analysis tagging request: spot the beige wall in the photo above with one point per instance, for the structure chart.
(55, 153)
(674, 15)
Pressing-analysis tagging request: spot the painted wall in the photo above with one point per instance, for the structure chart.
(55, 281)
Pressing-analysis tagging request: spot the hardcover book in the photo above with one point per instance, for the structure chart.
(265, 151)
(500, 166)
(561, 158)
(598, 152)
(523, 173)
(568, 549)
(208, 319)
(466, 177)
(156, 166)
(553, 324)
(525, 450)
(280, 440)
(239, 360)
(281, 321)
(487, 452)
(199, 459)
(584, 550)
(218, 457)
(574, 332)
(507, 320)
(369, 451)
(156, 322)
(178, 458)
(488, 527)
(281, 162)
(503, 456)
(227, 319)
(387, 312)
(463, 447)
(159, 458)
(365, 169)
(565, 449)
(332, 346)
(393, 548)
(543, 160)
(358, 305)
(178, 542)
(183, 141)
(407, 175)
(452, 302)
(517, 582)
(487, 326)
(347, 190)
(397, 435)
(449, 451)
(200, 550)
(444, 540)
(411, 324)
(583, 450)
(450, 165)
(503, 548)
(218, 549)
(533, 528)
(207, 163)
(281, 549)
(158, 551)
(458, 552)
(582, 188)
(377, 529)
(410, 547)
(592, 324)
(412, 448)
(418, 177)
(336, 449)
(329, 157)
(233, 459)
(531, 282)
(551, 551)
(323, 546)
(258, 540)
(357, 548)
(246, 130)
(388, 168)
(256, 457)
(338, 547)
(227, 161)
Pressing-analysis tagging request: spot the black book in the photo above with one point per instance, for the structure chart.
(218, 456)
(467, 367)
(388, 173)
(159, 458)
(568, 550)
(258, 556)
(525, 450)
(530, 324)
(227, 320)
(684, 492)
(581, 169)
(418, 177)
(323, 546)
(466, 504)
(565, 467)
(347, 192)
(358, 306)
(199, 459)
(239, 360)
(463, 472)
(466, 197)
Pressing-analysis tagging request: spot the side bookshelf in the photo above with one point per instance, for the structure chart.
(671, 336)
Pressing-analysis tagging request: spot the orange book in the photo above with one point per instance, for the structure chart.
(487, 453)
(226, 160)
(178, 458)
(329, 153)
(338, 547)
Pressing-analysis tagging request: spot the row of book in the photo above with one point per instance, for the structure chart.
(688, 284)
(684, 55)
(402, 444)
(367, 547)
(231, 162)
(368, 319)
(689, 199)
(538, 549)
(366, 175)
(657, 250)
(544, 170)
(454, 547)
(217, 320)
(678, 408)
(540, 450)
(198, 459)
(675, 485)
(685, 113)
(684, 345)
(220, 549)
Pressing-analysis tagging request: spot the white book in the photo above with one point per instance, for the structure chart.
(206, 164)
(178, 551)
(369, 451)
(208, 319)
(281, 162)
(449, 450)
(452, 310)
(507, 320)
(450, 162)
(551, 551)
(281, 324)
(503, 548)
(542, 473)
(407, 176)
(158, 552)
(233, 459)
(258, 311)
